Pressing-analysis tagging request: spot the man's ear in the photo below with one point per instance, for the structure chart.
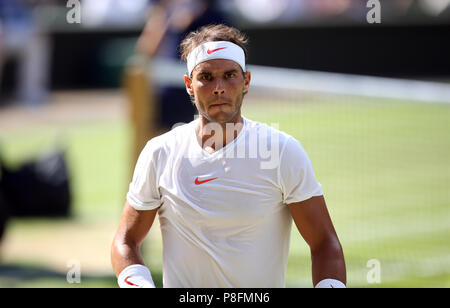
(247, 78)
(188, 83)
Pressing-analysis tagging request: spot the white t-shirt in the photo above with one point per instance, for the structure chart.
(223, 216)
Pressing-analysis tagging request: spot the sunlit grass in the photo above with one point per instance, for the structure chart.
(384, 167)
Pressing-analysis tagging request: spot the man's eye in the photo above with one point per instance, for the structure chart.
(230, 75)
(206, 77)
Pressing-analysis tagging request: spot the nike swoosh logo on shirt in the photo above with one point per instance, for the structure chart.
(130, 283)
(197, 182)
(214, 50)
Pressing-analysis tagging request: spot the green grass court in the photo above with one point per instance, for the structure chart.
(384, 167)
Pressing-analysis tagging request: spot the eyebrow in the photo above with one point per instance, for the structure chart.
(231, 71)
(205, 72)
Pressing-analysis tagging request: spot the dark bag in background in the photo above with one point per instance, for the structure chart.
(4, 215)
(38, 188)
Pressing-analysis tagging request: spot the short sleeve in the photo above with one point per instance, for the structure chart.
(297, 179)
(143, 193)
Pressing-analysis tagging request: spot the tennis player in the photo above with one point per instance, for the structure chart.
(226, 188)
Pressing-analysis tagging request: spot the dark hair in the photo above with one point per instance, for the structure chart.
(212, 33)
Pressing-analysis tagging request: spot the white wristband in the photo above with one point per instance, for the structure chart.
(330, 283)
(135, 276)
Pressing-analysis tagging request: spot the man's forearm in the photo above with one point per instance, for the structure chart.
(328, 262)
(123, 255)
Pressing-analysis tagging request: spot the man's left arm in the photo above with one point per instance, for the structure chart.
(314, 224)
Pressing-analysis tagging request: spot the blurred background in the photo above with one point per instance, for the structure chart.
(83, 85)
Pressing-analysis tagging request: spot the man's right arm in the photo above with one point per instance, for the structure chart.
(133, 227)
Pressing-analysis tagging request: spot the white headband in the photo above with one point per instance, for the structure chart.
(215, 50)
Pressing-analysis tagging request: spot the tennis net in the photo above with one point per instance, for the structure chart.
(381, 151)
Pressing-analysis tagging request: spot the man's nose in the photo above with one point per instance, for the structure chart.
(219, 88)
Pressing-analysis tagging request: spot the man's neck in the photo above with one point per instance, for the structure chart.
(215, 135)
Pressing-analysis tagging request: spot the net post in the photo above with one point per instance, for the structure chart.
(142, 105)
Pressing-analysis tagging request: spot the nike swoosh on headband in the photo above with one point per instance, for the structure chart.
(214, 50)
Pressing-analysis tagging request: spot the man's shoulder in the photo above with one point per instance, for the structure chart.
(271, 135)
(271, 130)
(171, 139)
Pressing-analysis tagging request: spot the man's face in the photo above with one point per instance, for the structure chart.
(218, 87)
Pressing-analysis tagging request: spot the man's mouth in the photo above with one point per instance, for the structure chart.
(218, 104)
